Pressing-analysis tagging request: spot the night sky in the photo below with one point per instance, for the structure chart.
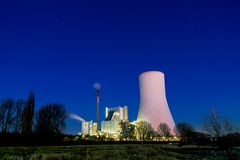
(58, 49)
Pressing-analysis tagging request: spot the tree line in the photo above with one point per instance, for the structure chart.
(217, 131)
(21, 124)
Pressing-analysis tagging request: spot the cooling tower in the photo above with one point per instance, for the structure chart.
(153, 102)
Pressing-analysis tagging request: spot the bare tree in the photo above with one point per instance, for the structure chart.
(164, 130)
(50, 119)
(6, 111)
(227, 126)
(144, 130)
(18, 115)
(28, 115)
(216, 125)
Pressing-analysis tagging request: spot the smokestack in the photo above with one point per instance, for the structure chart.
(97, 86)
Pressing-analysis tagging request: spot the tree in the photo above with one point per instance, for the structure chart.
(127, 131)
(228, 127)
(185, 130)
(164, 130)
(221, 129)
(151, 134)
(124, 130)
(131, 132)
(144, 130)
(28, 115)
(18, 115)
(6, 114)
(50, 119)
(217, 126)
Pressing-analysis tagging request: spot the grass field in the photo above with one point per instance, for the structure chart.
(111, 152)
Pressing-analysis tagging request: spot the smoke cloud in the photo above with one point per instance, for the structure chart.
(97, 85)
(75, 117)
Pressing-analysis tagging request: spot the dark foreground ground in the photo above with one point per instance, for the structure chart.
(115, 152)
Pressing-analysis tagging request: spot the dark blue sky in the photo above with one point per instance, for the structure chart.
(60, 48)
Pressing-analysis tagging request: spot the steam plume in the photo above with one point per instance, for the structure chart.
(75, 116)
(97, 85)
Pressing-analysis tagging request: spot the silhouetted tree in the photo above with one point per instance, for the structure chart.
(186, 131)
(217, 126)
(164, 130)
(6, 114)
(18, 115)
(202, 139)
(28, 115)
(50, 119)
(221, 130)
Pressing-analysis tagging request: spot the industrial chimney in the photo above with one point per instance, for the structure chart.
(153, 103)
(97, 86)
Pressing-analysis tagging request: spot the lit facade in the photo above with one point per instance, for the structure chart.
(114, 116)
(94, 130)
(87, 127)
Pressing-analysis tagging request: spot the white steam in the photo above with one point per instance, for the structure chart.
(75, 116)
(97, 85)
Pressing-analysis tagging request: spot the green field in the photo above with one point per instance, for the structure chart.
(112, 152)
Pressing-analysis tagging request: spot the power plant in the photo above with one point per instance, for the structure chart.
(153, 102)
(153, 108)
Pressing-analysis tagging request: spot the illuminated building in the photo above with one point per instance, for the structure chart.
(94, 129)
(87, 127)
(114, 116)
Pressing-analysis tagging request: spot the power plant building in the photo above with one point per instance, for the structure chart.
(87, 127)
(114, 116)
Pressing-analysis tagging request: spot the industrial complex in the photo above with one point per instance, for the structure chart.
(153, 108)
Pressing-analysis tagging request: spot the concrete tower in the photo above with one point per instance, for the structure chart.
(153, 103)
